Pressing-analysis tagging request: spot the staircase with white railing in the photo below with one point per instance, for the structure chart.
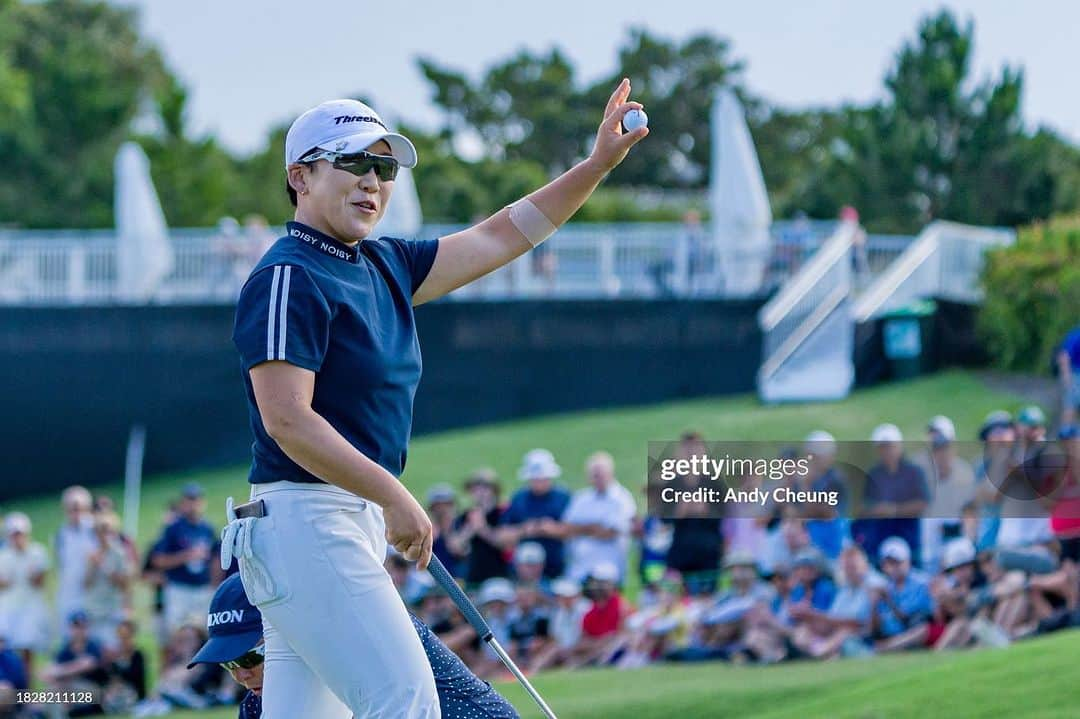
(807, 331)
(944, 261)
(809, 326)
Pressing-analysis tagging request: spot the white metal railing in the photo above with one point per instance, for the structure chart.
(880, 252)
(944, 261)
(806, 299)
(581, 260)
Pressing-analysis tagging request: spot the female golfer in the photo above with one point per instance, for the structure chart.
(326, 334)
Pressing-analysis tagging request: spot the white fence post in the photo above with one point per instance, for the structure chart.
(609, 280)
(76, 274)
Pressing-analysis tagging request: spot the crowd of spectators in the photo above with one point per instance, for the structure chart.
(942, 551)
(85, 641)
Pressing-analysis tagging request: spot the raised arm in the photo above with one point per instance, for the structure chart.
(464, 256)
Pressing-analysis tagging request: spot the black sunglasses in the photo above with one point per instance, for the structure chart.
(249, 660)
(360, 163)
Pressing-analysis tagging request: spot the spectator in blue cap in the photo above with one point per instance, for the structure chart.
(1031, 444)
(236, 643)
(79, 665)
(184, 553)
(998, 435)
(1031, 421)
(904, 609)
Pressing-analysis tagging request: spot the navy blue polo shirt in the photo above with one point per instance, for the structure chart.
(345, 313)
(907, 484)
(526, 505)
(181, 535)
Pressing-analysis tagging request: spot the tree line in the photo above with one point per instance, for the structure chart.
(76, 80)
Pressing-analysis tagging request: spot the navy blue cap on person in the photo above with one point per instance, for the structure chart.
(192, 490)
(233, 624)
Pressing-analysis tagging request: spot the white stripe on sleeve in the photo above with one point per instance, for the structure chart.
(273, 309)
(283, 313)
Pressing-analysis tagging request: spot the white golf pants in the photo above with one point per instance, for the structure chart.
(339, 641)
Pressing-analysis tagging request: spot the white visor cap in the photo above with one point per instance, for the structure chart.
(344, 126)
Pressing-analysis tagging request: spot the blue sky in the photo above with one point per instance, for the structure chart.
(250, 65)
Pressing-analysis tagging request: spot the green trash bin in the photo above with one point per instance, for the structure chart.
(908, 336)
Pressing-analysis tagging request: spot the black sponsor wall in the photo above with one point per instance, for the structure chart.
(76, 379)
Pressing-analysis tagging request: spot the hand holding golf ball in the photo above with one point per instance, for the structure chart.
(634, 119)
(625, 124)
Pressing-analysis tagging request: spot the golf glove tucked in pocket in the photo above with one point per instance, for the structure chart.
(235, 536)
(245, 539)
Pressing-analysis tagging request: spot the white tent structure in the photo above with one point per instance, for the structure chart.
(144, 255)
(402, 217)
(738, 201)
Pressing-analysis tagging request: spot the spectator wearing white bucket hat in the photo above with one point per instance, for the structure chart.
(951, 483)
(536, 511)
(24, 620)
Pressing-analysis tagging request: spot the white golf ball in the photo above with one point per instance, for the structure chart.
(634, 119)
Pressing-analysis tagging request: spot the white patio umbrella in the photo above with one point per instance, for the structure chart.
(738, 201)
(144, 253)
(402, 217)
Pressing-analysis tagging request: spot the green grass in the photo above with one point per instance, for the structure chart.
(1034, 680)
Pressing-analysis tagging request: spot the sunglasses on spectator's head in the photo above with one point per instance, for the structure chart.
(359, 163)
(249, 660)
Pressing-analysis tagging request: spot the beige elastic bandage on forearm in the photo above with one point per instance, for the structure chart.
(531, 222)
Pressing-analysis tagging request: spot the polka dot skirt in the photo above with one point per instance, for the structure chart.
(462, 695)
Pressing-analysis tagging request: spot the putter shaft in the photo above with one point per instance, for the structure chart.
(521, 678)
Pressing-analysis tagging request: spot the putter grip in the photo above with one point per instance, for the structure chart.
(472, 614)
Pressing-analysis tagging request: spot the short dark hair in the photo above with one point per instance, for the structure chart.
(288, 188)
